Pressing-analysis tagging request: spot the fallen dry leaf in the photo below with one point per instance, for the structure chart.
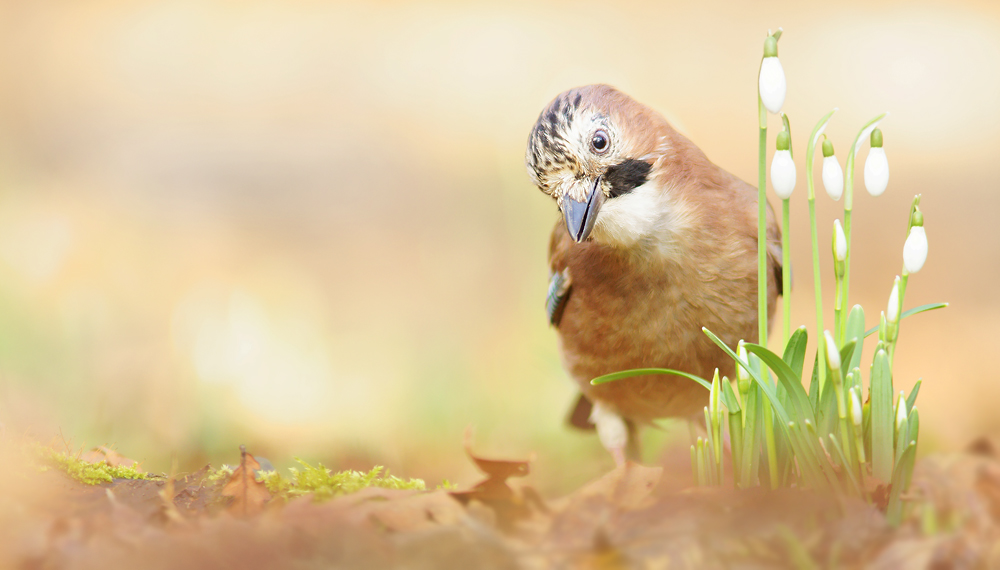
(495, 493)
(405, 511)
(109, 456)
(249, 495)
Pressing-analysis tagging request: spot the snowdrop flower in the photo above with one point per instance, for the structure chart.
(900, 410)
(783, 168)
(892, 311)
(876, 166)
(839, 242)
(856, 415)
(742, 377)
(833, 175)
(915, 248)
(832, 354)
(771, 81)
(713, 394)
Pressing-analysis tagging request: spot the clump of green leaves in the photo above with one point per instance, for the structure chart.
(85, 472)
(322, 483)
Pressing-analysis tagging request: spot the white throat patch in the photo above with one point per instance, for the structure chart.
(646, 216)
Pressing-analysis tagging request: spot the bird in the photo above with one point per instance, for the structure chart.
(654, 242)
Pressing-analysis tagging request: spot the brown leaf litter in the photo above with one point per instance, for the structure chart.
(632, 517)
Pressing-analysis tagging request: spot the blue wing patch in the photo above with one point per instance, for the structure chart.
(555, 301)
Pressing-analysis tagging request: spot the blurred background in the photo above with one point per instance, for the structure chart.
(305, 226)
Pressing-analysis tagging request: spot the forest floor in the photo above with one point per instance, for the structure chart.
(632, 517)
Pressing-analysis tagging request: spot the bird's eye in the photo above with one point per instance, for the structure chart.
(600, 142)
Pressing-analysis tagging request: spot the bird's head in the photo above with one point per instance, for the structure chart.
(593, 149)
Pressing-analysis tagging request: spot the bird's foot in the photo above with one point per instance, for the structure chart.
(618, 454)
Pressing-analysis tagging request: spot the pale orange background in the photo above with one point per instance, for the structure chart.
(306, 226)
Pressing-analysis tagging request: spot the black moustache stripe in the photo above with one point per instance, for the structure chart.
(627, 176)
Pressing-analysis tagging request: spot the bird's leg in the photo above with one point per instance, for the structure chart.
(611, 430)
(633, 449)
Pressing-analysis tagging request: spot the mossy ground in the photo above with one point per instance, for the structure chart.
(84, 471)
(315, 480)
(322, 483)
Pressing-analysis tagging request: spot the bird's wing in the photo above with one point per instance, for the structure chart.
(559, 278)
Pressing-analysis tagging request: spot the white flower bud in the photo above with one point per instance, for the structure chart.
(839, 241)
(892, 311)
(772, 84)
(856, 415)
(783, 174)
(900, 410)
(833, 178)
(714, 398)
(915, 249)
(742, 376)
(832, 354)
(876, 171)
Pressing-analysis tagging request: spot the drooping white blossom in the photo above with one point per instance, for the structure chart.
(915, 249)
(783, 174)
(833, 177)
(892, 310)
(771, 84)
(839, 242)
(876, 166)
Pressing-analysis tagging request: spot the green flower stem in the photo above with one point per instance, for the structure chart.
(824, 466)
(849, 204)
(842, 455)
(751, 438)
(714, 452)
(700, 456)
(772, 449)
(770, 443)
(840, 322)
(903, 278)
(786, 273)
(842, 416)
(736, 445)
(715, 424)
(810, 186)
(694, 464)
(891, 344)
(786, 251)
(838, 304)
(859, 444)
(762, 228)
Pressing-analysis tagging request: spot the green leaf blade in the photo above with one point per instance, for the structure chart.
(882, 417)
(649, 372)
(910, 312)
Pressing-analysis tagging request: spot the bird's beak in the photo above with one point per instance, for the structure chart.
(581, 216)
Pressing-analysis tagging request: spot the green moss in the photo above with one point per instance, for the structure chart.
(447, 485)
(323, 484)
(84, 472)
(220, 475)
